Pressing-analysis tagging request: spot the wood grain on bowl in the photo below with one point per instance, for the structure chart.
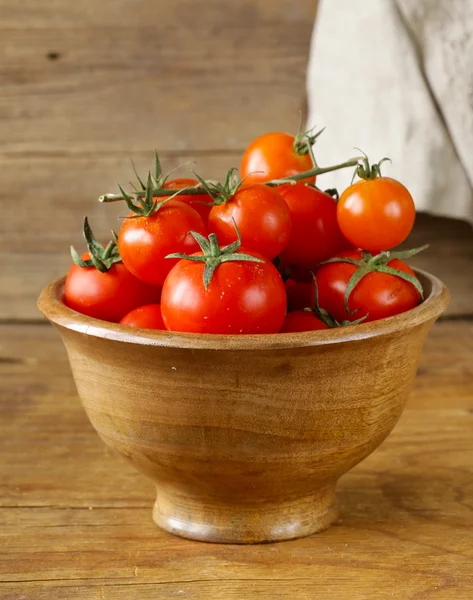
(245, 436)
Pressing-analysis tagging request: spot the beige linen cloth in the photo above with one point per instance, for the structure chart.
(395, 78)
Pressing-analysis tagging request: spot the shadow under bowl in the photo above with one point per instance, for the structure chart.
(245, 436)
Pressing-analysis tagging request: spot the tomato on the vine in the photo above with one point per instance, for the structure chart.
(275, 156)
(300, 320)
(261, 215)
(316, 235)
(228, 290)
(383, 286)
(376, 213)
(300, 289)
(202, 203)
(145, 317)
(101, 286)
(145, 241)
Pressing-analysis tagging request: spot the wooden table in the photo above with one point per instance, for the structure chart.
(75, 520)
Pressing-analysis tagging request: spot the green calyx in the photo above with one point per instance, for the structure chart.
(144, 203)
(222, 193)
(378, 263)
(213, 255)
(102, 258)
(366, 171)
(305, 140)
(324, 315)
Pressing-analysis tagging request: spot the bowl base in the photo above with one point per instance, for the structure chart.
(233, 523)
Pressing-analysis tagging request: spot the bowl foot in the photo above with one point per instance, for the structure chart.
(218, 522)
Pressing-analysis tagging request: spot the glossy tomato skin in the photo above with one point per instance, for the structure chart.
(145, 317)
(261, 215)
(193, 201)
(144, 242)
(272, 156)
(376, 214)
(316, 235)
(243, 297)
(300, 320)
(377, 295)
(300, 290)
(108, 296)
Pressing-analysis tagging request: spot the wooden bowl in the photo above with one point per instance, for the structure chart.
(245, 436)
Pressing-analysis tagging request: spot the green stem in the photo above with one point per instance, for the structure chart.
(198, 189)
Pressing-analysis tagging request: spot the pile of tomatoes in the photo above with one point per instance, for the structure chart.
(267, 253)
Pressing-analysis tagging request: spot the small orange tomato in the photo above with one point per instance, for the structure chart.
(275, 156)
(376, 214)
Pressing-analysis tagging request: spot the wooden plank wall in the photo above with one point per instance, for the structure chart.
(86, 85)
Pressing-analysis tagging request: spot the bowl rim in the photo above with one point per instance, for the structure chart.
(51, 305)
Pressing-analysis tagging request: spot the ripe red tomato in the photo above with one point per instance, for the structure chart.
(145, 317)
(316, 235)
(144, 242)
(376, 214)
(242, 297)
(300, 289)
(108, 296)
(261, 215)
(377, 295)
(300, 320)
(190, 199)
(274, 156)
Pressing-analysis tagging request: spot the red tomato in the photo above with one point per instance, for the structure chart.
(376, 214)
(145, 317)
(316, 235)
(108, 296)
(190, 199)
(261, 215)
(301, 320)
(273, 156)
(243, 297)
(144, 242)
(377, 295)
(300, 289)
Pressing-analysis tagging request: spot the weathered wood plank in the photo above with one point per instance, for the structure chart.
(176, 76)
(195, 14)
(75, 520)
(328, 583)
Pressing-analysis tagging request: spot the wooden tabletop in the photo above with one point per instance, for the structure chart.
(75, 520)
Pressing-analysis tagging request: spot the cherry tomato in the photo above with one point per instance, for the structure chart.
(261, 215)
(108, 296)
(376, 214)
(272, 156)
(145, 317)
(300, 289)
(300, 320)
(144, 242)
(243, 297)
(190, 199)
(316, 235)
(377, 295)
